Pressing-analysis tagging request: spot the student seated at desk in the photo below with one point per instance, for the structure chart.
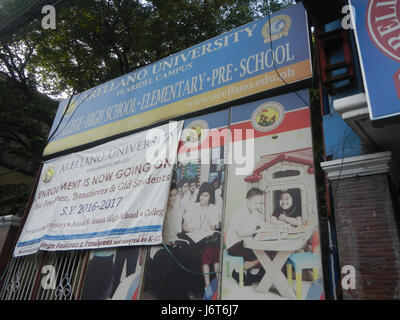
(244, 224)
(287, 211)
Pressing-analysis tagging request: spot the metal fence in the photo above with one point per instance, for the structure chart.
(63, 275)
(48, 276)
(20, 277)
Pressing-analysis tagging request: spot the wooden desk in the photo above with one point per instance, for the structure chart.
(273, 273)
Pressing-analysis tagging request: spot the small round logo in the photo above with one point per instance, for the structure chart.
(195, 133)
(48, 175)
(268, 116)
(383, 20)
(278, 27)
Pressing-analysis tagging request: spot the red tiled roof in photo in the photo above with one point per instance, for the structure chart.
(303, 156)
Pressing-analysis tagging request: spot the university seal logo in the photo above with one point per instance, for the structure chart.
(383, 24)
(268, 116)
(195, 133)
(278, 27)
(48, 175)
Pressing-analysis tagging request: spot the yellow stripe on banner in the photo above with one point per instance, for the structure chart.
(241, 89)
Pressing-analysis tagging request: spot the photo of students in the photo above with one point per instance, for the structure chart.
(216, 183)
(187, 265)
(183, 196)
(287, 209)
(270, 210)
(107, 271)
(193, 191)
(173, 217)
(202, 218)
(192, 237)
(99, 279)
(219, 200)
(126, 259)
(245, 223)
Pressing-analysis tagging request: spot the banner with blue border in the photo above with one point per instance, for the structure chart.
(231, 66)
(111, 195)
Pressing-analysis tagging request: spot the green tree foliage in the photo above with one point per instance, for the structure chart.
(26, 116)
(98, 40)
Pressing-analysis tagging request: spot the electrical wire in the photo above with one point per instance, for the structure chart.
(341, 165)
(28, 12)
(94, 88)
(338, 96)
(183, 267)
(69, 103)
(63, 115)
(53, 136)
(273, 57)
(20, 11)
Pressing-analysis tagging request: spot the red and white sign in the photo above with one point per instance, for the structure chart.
(383, 21)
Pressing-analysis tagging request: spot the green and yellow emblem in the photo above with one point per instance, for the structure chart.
(48, 175)
(195, 133)
(278, 27)
(268, 116)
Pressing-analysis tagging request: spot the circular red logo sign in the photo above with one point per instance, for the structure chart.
(383, 24)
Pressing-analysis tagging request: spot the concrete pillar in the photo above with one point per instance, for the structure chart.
(367, 233)
(8, 231)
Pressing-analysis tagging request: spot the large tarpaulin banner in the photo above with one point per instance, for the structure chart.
(192, 226)
(237, 64)
(111, 195)
(271, 227)
(113, 274)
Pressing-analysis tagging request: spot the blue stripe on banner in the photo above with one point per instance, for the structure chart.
(112, 232)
